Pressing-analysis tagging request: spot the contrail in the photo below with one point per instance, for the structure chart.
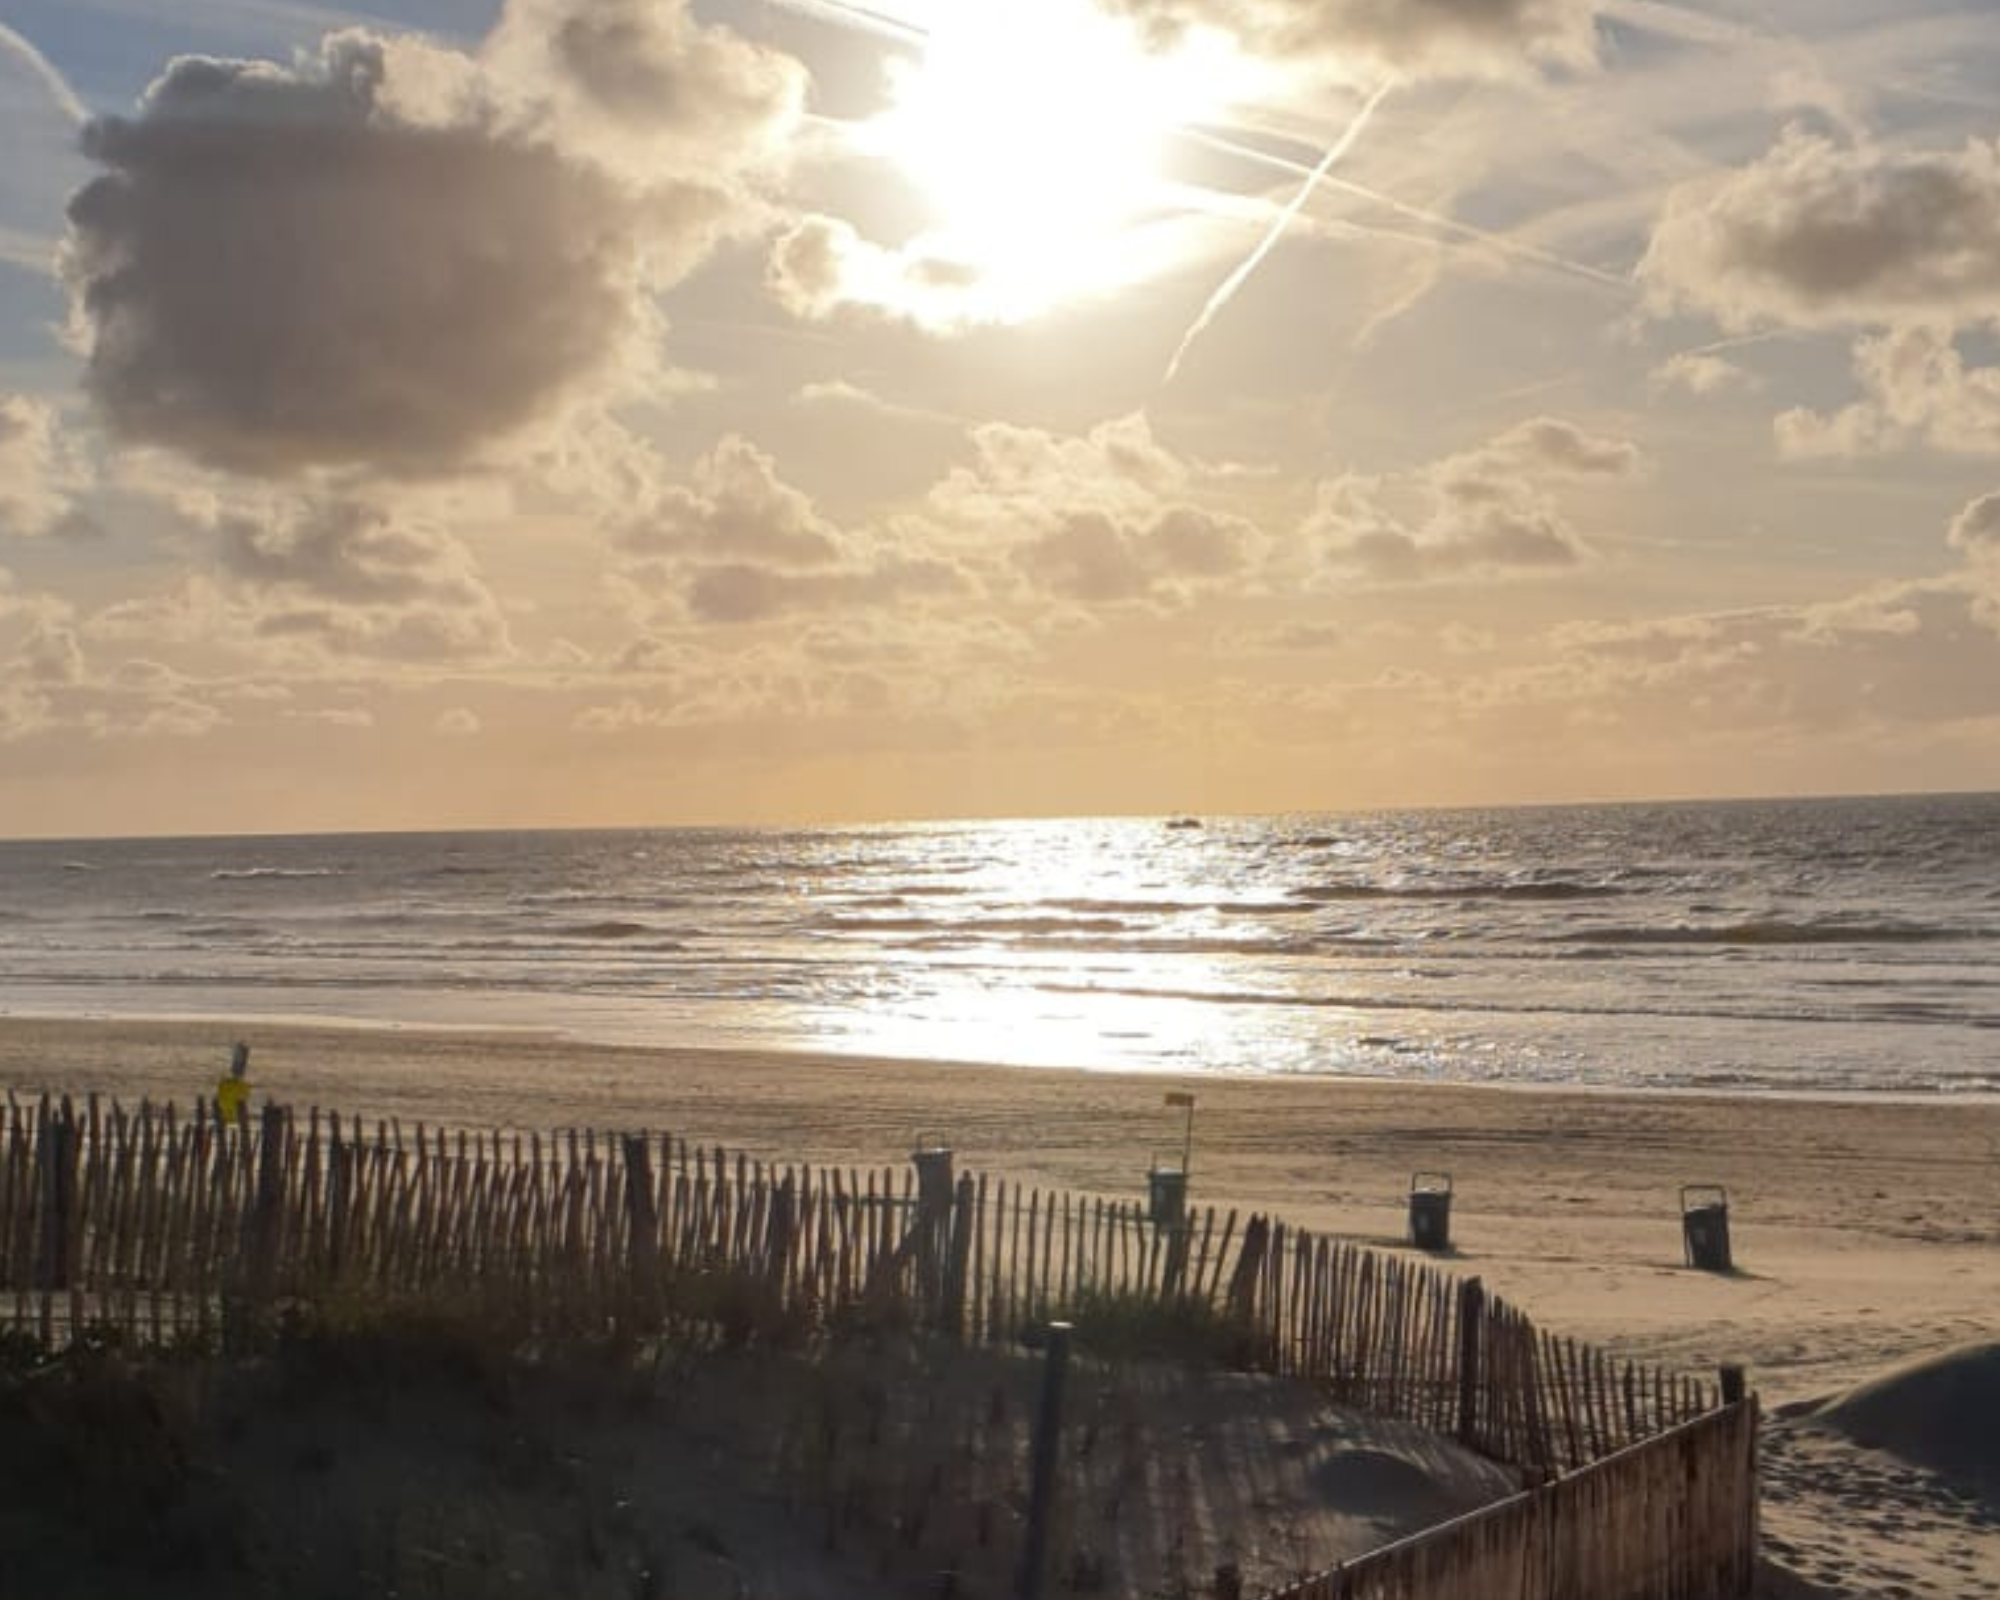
(43, 68)
(1436, 219)
(864, 18)
(1236, 279)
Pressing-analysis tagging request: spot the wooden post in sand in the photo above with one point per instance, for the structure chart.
(643, 1231)
(57, 1155)
(964, 1223)
(930, 1225)
(1046, 1451)
(266, 1216)
(1471, 1316)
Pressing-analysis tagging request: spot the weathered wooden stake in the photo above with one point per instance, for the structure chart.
(1471, 1314)
(643, 1234)
(964, 1223)
(1042, 1487)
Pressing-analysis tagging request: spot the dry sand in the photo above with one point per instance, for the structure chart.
(1866, 1234)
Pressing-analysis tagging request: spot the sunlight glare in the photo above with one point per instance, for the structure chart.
(1037, 131)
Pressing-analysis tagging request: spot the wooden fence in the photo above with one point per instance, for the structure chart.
(152, 1226)
(1673, 1517)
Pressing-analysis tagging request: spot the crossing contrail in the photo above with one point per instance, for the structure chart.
(1503, 243)
(1236, 279)
(43, 68)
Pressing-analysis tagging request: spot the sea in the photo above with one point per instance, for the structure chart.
(1819, 946)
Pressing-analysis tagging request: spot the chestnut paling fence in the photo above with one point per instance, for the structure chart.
(155, 1226)
(1673, 1517)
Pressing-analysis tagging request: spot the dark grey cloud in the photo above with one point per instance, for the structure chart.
(392, 256)
(355, 577)
(345, 550)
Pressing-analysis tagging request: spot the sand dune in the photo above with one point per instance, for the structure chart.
(1892, 1488)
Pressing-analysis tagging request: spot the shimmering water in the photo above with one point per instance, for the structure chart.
(1849, 945)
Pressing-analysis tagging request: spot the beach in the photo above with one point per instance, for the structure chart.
(1865, 1232)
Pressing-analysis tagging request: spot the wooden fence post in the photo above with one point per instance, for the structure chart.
(930, 1226)
(643, 1230)
(58, 1175)
(965, 1220)
(1045, 1455)
(266, 1216)
(1471, 1320)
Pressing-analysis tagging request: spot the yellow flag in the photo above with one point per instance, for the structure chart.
(1179, 1097)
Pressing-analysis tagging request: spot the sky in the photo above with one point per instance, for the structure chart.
(456, 413)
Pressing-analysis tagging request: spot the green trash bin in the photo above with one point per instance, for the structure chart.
(1705, 1226)
(1430, 1210)
(1166, 1196)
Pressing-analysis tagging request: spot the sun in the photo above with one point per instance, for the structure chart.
(1037, 131)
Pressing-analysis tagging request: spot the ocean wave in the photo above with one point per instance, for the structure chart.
(235, 874)
(1126, 908)
(1767, 932)
(610, 929)
(983, 928)
(1540, 889)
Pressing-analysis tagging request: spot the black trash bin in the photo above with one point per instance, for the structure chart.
(1430, 1210)
(1166, 1196)
(1705, 1226)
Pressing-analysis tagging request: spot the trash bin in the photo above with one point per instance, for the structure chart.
(932, 1159)
(1166, 1196)
(1430, 1210)
(1705, 1226)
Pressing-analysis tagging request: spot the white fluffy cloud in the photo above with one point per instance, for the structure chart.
(1102, 518)
(1819, 234)
(1916, 390)
(821, 266)
(650, 90)
(735, 507)
(1492, 509)
(1701, 373)
(733, 541)
(32, 499)
(1975, 531)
